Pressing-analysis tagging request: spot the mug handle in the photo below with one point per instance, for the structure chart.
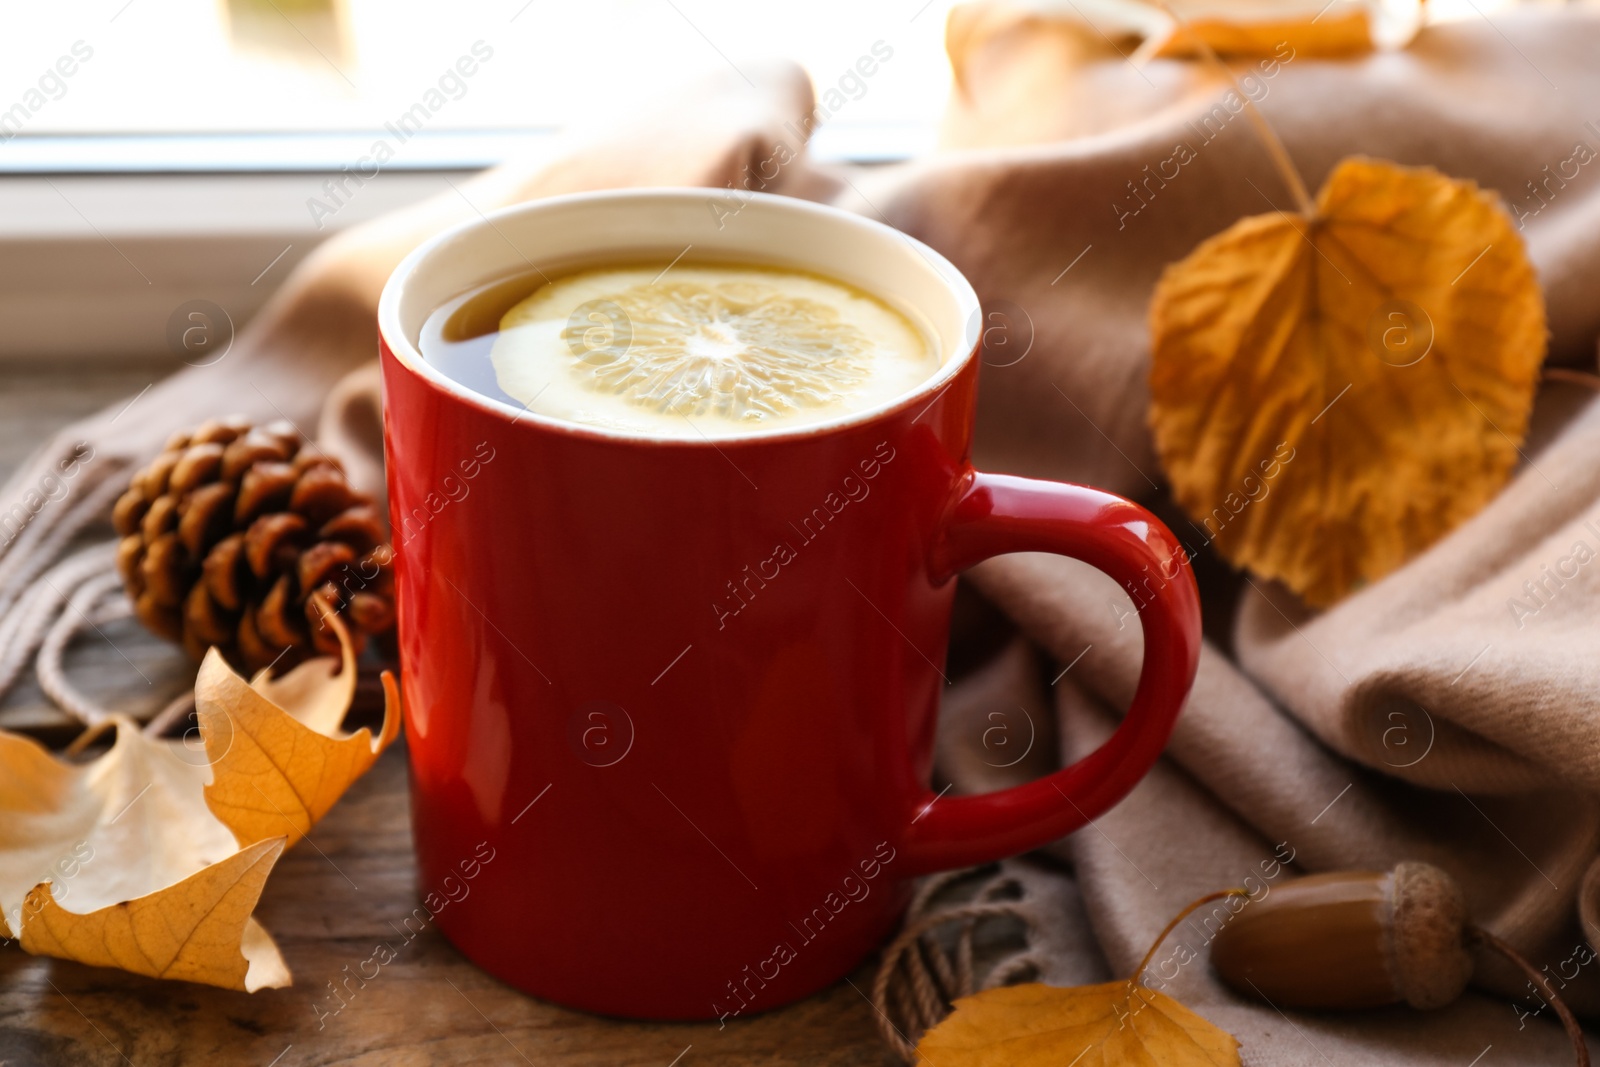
(996, 514)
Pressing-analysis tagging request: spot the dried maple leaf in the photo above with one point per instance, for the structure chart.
(1331, 394)
(119, 862)
(278, 766)
(1115, 1023)
(196, 930)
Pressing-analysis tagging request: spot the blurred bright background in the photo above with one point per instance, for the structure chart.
(332, 66)
(153, 152)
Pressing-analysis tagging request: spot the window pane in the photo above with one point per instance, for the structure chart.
(191, 66)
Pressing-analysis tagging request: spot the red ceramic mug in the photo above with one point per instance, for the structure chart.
(682, 693)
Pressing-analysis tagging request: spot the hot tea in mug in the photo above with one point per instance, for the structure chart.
(674, 656)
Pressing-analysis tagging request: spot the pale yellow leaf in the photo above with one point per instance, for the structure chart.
(1329, 396)
(197, 930)
(146, 859)
(278, 769)
(1115, 1024)
(117, 862)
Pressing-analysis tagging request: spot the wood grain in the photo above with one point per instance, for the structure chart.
(329, 903)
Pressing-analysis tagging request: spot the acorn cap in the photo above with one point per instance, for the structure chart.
(1431, 962)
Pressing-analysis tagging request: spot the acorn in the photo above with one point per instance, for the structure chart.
(1351, 939)
(1365, 939)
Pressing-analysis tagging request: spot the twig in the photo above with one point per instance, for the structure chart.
(1573, 377)
(1269, 136)
(1176, 919)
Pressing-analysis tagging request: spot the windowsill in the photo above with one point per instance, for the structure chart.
(103, 238)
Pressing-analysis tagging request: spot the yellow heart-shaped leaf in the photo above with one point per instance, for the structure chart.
(1115, 1024)
(1330, 395)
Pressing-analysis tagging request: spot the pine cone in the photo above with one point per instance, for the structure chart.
(234, 533)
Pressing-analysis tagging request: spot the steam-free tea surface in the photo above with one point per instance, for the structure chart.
(682, 350)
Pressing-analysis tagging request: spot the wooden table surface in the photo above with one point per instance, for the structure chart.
(328, 906)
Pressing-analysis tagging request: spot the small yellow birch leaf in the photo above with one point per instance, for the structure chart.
(1331, 395)
(196, 930)
(117, 862)
(278, 769)
(1115, 1024)
(1282, 30)
(1279, 29)
(1339, 35)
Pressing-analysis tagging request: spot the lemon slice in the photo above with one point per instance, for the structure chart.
(725, 349)
(737, 349)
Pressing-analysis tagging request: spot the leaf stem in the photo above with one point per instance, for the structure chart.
(1572, 377)
(1574, 1031)
(1178, 918)
(1269, 136)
